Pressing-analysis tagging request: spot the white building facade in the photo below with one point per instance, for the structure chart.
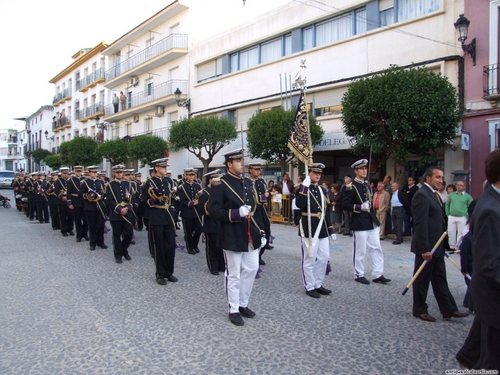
(247, 68)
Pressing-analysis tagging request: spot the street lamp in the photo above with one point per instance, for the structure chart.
(462, 26)
(186, 104)
(47, 136)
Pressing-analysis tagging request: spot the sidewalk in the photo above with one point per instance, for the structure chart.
(67, 310)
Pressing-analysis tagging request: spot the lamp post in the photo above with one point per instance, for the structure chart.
(186, 104)
(47, 136)
(462, 26)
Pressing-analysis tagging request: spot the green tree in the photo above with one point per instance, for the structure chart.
(146, 148)
(115, 150)
(40, 154)
(80, 151)
(268, 132)
(202, 136)
(53, 161)
(401, 112)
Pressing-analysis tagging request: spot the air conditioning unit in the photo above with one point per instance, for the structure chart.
(134, 81)
(136, 118)
(160, 110)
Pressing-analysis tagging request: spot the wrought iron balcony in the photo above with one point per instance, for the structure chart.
(90, 112)
(62, 96)
(91, 80)
(491, 81)
(60, 123)
(162, 133)
(167, 49)
(162, 94)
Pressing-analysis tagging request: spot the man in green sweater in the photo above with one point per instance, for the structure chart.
(456, 208)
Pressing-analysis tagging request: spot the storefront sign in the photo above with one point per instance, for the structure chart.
(333, 141)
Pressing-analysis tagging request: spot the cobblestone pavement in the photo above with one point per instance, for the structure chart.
(67, 310)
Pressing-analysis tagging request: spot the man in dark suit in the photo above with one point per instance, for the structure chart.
(429, 225)
(480, 350)
(410, 189)
(365, 225)
(191, 221)
(92, 192)
(75, 203)
(233, 203)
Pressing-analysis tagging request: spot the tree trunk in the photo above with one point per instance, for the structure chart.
(206, 164)
(283, 167)
(399, 174)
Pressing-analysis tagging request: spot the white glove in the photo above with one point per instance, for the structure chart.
(333, 236)
(174, 189)
(306, 182)
(244, 210)
(365, 206)
(263, 241)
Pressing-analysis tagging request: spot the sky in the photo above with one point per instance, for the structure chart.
(39, 37)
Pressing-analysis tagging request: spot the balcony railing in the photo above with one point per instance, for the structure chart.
(490, 81)
(162, 133)
(56, 150)
(90, 111)
(92, 78)
(66, 93)
(149, 95)
(61, 122)
(170, 42)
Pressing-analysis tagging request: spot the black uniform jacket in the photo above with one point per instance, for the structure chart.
(40, 188)
(118, 196)
(61, 189)
(315, 209)
(92, 193)
(355, 194)
(74, 184)
(209, 225)
(187, 193)
(156, 195)
(226, 199)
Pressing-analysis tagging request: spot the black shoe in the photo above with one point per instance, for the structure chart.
(214, 272)
(92, 247)
(350, 234)
(86, 238)
(55, 228)
(78, 239)
(71, 233)
(132, 242)
(397, 242)
(65, 234)
(381, 280)
(128, 257)
(346, 233)
(172, 279)
(362, 280)
(246, 312)
(161, 281)
(268, 247)
(118, 260)
(236, 319)
(323, 291)
(191, 252)
(102, 246)
(196, 249)
(313, 293)
(261, 262)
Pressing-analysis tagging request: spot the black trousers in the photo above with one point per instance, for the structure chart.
(434, 273)
(96, 227)
(163, 245)
(31, 206)
(215, 255)
(81, 224)
(192, 232)
(42, 209)
(398, 216)
(122, 235)
(54, 216)
(65, 218)
(140, 214)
